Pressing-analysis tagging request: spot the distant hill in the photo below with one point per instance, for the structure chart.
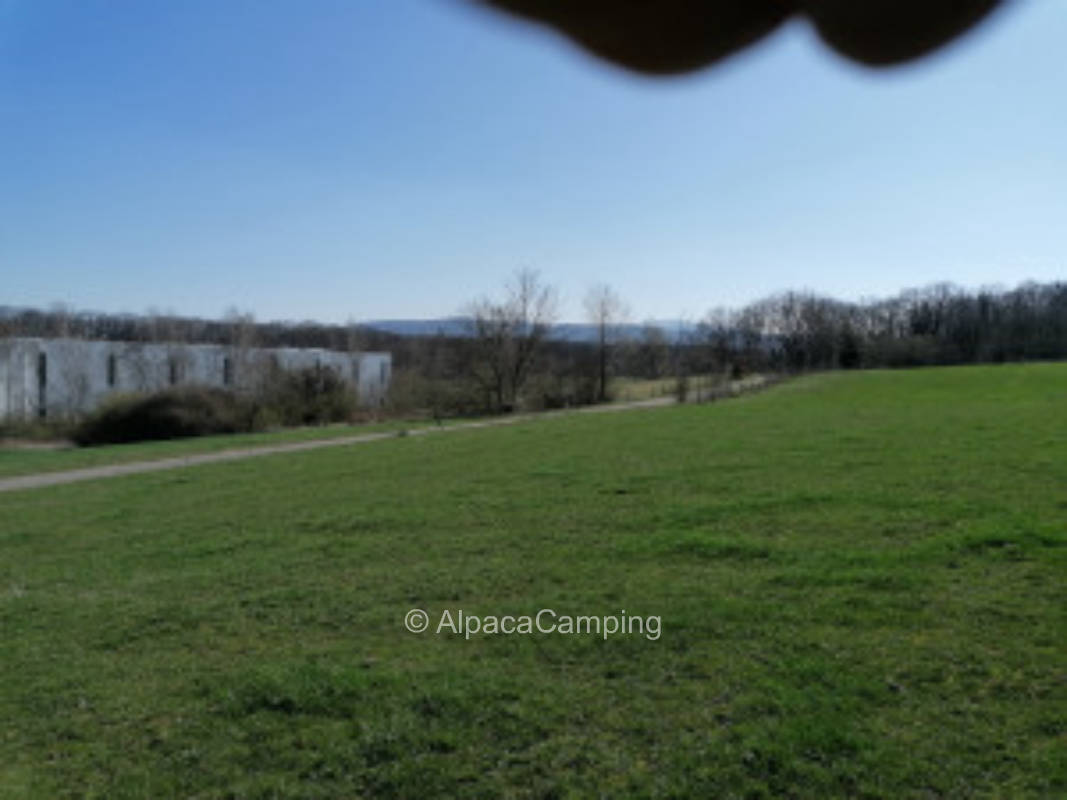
(564, 331)
(452, 326)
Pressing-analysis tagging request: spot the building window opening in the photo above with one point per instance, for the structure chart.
(173, 376)
(227, 371)
(42, 385)
(112, 370)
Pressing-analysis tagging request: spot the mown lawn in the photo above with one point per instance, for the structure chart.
(862, 580)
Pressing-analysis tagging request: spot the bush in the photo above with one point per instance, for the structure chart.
(173, 414)
(548, 392)
(304, 397)
(313, 396)
(412, 393)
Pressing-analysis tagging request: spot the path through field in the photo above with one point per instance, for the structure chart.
(42, 480)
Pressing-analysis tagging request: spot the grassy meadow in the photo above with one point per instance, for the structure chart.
(861, 577)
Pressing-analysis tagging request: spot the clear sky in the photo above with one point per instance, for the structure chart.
(361, 159)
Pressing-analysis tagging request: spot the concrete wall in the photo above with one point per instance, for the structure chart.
(67, 377)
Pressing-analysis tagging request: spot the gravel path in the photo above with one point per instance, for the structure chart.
(42, 480)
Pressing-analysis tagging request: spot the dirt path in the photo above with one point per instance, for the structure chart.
(42, 480)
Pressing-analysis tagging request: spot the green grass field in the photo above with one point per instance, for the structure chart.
(862, 581)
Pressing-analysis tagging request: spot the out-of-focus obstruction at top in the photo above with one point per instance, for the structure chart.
(664, 37)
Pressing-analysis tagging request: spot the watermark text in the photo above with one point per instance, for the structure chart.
(546, 621)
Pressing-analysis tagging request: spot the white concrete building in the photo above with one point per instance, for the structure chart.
(46, 378)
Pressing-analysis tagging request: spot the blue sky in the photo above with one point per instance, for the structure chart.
(360, 159)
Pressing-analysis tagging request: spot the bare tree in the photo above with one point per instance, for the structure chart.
(354, 336)
(163, 326)
(506, 336)
(605, 310)
(682, 357)
(651, 354)
(718, 336)
(62, 320)
(244, 369)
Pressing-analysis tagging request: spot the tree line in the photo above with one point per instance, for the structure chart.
(507, 357)
(234, 328)
(938, 325)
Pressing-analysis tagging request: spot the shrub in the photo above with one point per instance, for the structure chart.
(549, 392)
(412, 393)
(304, 397)
(173, 414)
(312, 396)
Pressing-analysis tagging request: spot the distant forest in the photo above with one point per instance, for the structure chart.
(938, 325)
(235, 329)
